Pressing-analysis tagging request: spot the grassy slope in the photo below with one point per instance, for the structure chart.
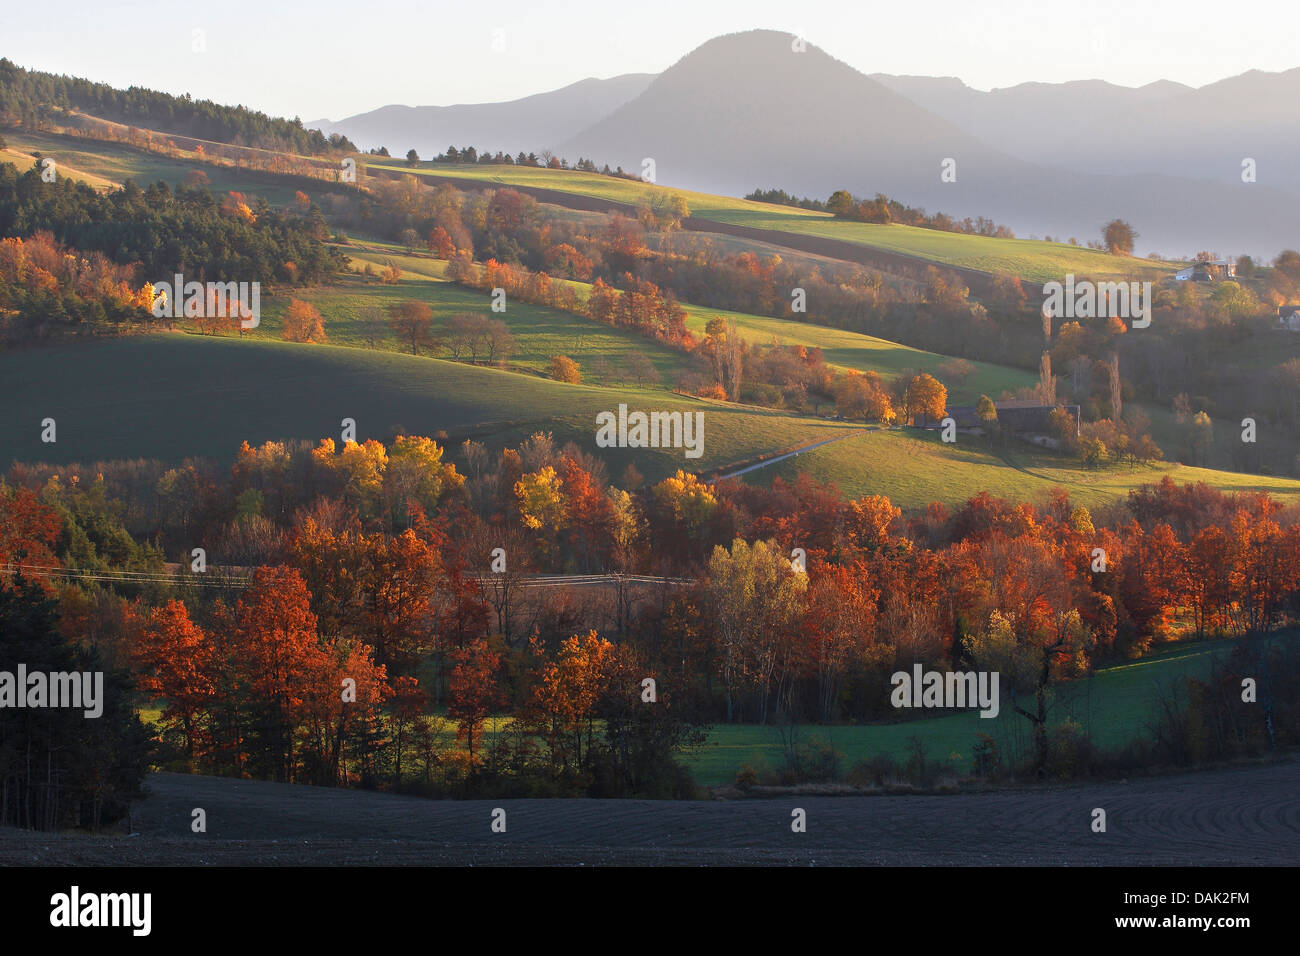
(172, 395)
(1116, 706)
(913, 468)
(21, 157)
(203, 396)
(102, 163)
(1030, 259)
(544, 332)
(540, 332)
(845, 349)
(950, 475)
(113, 163)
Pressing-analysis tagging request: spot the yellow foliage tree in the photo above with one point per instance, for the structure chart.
(302, 323)
(540, 504)
(689, 502)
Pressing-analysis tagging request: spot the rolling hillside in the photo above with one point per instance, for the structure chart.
(913, 469)
(543, 332)
(1033, 260)
(173, 395)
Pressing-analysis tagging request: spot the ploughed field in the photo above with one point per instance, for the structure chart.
(1243, 816)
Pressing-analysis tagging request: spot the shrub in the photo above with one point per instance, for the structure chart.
(565, 369)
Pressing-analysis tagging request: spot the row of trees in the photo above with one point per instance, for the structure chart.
(844, 205)
(381, 565)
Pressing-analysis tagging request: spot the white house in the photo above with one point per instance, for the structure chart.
(1288, 318)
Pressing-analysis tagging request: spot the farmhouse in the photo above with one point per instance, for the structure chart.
(1025, 418)
(1209, 271)
(1288, 318)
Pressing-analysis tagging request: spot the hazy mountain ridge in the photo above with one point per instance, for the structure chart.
(532, 123)
(745, 110)
(1162, 127)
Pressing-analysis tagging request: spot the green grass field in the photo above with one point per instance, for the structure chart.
(104, 163)
(539, 331)
(544, 332)
(21, 157)
(914, 468)
(172, 395)
(1030, 259)
(1115, 706)
(865, 353)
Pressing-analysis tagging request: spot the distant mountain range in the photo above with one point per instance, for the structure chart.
(746, 110)
(1163, 127)
(531, 124)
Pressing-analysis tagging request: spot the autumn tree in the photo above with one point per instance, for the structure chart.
(412, 322)
(440, 243)
(838, 625)
(925, 398)
(175, 660)
(408, 703)
(756, 597)
(473, 693)
(683, 509)
(415, 473)
(29, 533)
(1034, 635)
(567, 696)
(589, 515)
(862, 395)
(540, 504)
(341, 715)
(1119, 237)
(278, 661)
(399, 583)
(302, 323)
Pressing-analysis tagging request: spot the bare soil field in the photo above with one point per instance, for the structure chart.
(1248, 817)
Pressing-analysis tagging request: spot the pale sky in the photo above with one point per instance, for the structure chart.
(335, 58)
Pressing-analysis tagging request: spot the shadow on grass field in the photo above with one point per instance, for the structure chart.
(1115, 706)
